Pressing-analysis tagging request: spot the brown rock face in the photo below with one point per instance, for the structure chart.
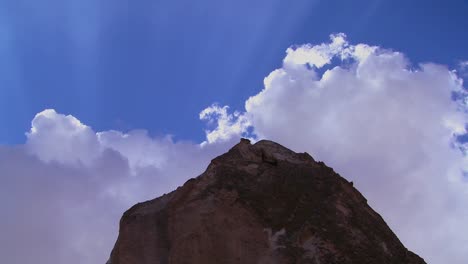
(260, 203)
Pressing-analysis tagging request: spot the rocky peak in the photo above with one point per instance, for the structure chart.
(260, 203)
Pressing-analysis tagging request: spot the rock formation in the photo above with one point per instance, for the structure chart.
(260, 203)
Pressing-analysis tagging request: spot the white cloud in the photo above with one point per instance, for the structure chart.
(318, 55)
(385, 124)
(56, 137)
(321, 55)
(63, 192)
(227, 125)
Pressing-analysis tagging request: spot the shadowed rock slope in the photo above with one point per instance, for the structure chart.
(260, 203)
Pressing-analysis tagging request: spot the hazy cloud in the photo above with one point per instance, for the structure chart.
(63, 192)
(463, 68)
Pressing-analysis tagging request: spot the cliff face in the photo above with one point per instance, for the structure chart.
(259, 203)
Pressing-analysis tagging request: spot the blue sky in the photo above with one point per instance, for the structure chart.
(101, 101)
(156, 64)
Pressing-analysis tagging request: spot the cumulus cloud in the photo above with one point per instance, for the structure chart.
(318, 55)
(64, 190)
(382, 122)
(227, 125)
(56, 137)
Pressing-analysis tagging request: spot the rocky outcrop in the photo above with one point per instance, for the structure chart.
(260, 203)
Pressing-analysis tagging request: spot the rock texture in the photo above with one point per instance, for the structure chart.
(260, 203)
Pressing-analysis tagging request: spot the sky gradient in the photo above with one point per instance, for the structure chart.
(108, 103)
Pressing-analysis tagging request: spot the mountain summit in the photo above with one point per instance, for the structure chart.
(260, 203)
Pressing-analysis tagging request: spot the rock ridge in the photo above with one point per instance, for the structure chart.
(259, 203)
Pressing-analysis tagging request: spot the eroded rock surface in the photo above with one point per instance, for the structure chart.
(260, 203)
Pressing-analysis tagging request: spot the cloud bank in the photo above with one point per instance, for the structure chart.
(380, 121)
(64, 191)
(388, 125)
